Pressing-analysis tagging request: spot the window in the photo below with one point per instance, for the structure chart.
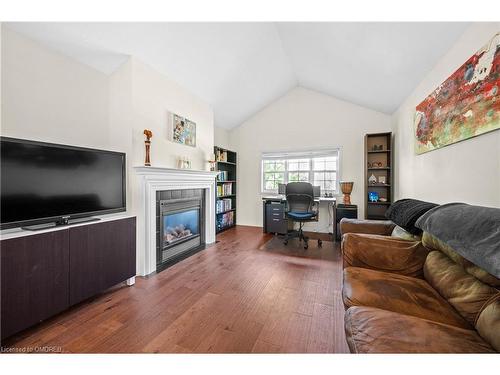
(320, 168)
(274, 174)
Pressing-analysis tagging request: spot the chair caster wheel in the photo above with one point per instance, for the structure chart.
(306, 245)
(320, 243)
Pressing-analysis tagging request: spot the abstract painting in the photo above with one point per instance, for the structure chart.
(184, 131)
(467, 104)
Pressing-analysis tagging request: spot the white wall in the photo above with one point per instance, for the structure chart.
(154, 98)
(467, 171)
(303, 120)
(221, 137)
(50, 97)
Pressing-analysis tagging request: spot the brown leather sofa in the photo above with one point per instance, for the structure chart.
(405, 295)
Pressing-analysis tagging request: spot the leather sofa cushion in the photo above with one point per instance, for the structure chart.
(397, 293)
(468, 295)
(433, 243)
(372, 330)
(488, 324)
(366, 226)
(402, 234)
(384, 253)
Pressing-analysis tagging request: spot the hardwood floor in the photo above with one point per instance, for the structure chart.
(236, 296)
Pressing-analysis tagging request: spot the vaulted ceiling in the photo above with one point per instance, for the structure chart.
(239, 68)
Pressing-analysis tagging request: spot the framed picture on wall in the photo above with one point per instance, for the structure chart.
(183, 131)
(465, 105)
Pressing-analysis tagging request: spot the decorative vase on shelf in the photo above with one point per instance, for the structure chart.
(147, 142)
(346, 187)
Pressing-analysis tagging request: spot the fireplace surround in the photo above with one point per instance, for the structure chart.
(149, 180)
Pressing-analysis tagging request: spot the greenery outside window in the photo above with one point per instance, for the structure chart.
(320, 168)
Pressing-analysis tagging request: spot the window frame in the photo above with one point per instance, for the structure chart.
(310, 155)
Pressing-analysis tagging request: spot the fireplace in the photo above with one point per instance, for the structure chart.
(180, 225)
(153, 184)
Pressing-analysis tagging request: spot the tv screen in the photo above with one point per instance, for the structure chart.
(42, 182)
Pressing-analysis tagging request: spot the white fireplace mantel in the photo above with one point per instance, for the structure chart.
(153, 179)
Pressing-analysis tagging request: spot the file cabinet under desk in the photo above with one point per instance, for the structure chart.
(274, 216)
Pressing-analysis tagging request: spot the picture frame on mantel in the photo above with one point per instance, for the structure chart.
(181, 130)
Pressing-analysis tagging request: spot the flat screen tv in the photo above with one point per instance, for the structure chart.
(56, 184)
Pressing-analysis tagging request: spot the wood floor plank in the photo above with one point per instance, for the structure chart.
(276, 325)
(297, 334)
(321, 337)
(236, 296)
(188, 326)
(264, 347)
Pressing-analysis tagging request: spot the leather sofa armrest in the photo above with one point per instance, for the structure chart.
(382, 227)
(384, 253)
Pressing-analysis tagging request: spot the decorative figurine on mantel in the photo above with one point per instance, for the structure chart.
(212, 162)
(183, 162)
(149, 134)
(346, 187)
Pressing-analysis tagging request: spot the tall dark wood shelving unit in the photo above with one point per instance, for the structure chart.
(376, 210)
(229, 166)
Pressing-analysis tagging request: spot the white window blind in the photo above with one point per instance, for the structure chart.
(320, 168)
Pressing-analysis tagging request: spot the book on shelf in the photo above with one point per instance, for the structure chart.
(223, 205)
(225, 220)
(224, 189)
(222, 176)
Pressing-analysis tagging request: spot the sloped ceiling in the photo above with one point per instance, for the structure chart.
(239, 68)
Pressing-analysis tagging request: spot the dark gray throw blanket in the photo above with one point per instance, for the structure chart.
(472, 231)
(405, 213)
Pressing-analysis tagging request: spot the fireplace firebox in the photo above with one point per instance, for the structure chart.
(180, 226)
(180, 222)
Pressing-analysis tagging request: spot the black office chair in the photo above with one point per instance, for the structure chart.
(301, 208)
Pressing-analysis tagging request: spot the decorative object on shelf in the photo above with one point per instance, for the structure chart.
(379, 164)
(463, 106)
(183, 162)
(346, 187)
(372, 179)
(373, 196)
(381, 179)
(183, 131)
(211, 162)
(369, 165)
(221, 155)
(149, 134)
(382, 199)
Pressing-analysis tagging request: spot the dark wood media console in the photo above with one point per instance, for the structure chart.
(46, 273)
